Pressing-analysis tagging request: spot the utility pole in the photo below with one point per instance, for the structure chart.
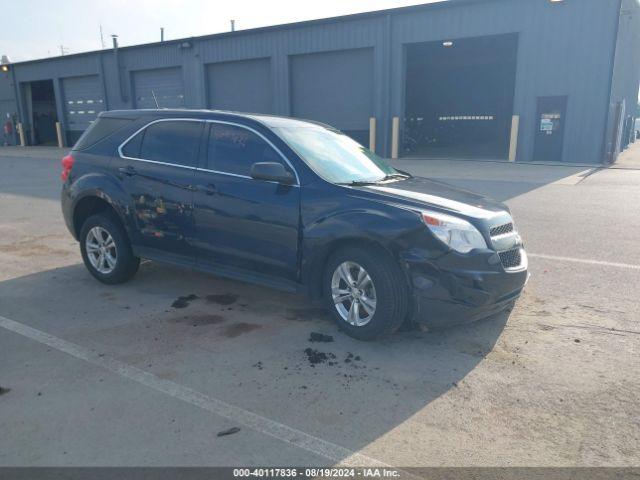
(162, 34)
(233, 25)
(102, 38)
(63, 50)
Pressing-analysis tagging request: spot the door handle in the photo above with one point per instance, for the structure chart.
(129, 171)
(208, 189)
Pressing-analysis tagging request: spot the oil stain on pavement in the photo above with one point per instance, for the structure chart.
(183, 302)
(199, 320)
(237, 329)
(223, 299)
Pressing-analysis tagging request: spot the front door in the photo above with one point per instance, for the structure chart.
(246, 224)
(158, 172)
(550, 129)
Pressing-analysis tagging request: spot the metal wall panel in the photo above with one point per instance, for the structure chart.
(280, 43)
(165, 83)
(243, 86)
(6, 87)
(625, 79)
(8, 108)
(83, 100)
(565, 48)
(335, 88)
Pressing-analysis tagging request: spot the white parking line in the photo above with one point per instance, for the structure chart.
(298, 438)
(582, 260)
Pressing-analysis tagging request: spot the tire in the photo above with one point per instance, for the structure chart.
(126, 263)
(389, 291)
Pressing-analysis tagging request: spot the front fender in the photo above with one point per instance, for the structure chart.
(367, 223)
(389, 228)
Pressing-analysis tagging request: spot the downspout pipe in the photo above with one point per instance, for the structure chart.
(116, 56)
(607, 149)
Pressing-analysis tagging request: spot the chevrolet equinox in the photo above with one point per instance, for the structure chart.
(290, 204)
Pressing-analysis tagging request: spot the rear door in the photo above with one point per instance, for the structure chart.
(550, 129)
(241, 222)
(157, 167)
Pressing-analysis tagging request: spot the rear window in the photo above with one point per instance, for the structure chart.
(172, 142)
(99, 130)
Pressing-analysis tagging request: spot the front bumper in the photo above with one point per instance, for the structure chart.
(456, 289)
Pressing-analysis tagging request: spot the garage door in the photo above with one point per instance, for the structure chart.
(165, 83)
(83, 101)
(243, 86)
(335, 88)
(459, 97)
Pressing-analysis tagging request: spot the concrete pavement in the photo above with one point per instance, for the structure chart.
(553, 385)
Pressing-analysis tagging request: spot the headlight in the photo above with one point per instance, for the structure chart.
(454, 232)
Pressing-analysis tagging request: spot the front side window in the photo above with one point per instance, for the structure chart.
(174, 142)
(234, 149)
(336, 157)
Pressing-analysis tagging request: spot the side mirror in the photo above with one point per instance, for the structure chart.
(273, 172)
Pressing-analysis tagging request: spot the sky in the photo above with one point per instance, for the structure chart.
(38, 28)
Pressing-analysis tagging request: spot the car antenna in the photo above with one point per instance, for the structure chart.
(155, 99)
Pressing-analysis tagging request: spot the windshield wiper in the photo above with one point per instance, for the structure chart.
(394, 176)
(360, 183)
(386, 178)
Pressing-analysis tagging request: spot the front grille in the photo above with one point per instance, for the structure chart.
(501, 229)
(511, 258)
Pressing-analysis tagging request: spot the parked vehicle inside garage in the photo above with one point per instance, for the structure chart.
(290, 204)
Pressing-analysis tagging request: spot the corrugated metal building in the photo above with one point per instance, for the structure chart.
(534, 80)
(8, 109)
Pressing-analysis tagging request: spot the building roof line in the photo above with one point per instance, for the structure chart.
(284, 26)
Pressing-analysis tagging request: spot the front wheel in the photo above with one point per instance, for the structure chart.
(365, 292)
(106, 250)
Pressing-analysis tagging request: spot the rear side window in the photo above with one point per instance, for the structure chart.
(174, 142)
(99, 130)
(234, 149)
(132, 147)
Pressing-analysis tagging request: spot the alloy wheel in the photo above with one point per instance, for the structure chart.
(101, 250)
(354, 294)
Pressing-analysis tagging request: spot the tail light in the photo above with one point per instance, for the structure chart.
(67, 165)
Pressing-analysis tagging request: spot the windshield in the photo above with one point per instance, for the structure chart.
(336, 157)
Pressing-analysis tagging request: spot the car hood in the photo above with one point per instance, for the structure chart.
(423, 192)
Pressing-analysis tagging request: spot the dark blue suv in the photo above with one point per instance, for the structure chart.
(291, 204)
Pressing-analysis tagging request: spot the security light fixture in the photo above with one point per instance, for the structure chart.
(447, 44)
(4, 68)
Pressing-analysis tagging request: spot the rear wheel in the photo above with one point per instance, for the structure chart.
(365, 292)
(106, 250)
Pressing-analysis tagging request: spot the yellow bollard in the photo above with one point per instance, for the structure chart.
(59, 133)
(21, 135)
(372, 134)
(513, 143)
(395, 137)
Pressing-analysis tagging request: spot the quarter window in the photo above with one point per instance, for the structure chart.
(132, 147)
(234, 149)
(167, 142)
(101, 128)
